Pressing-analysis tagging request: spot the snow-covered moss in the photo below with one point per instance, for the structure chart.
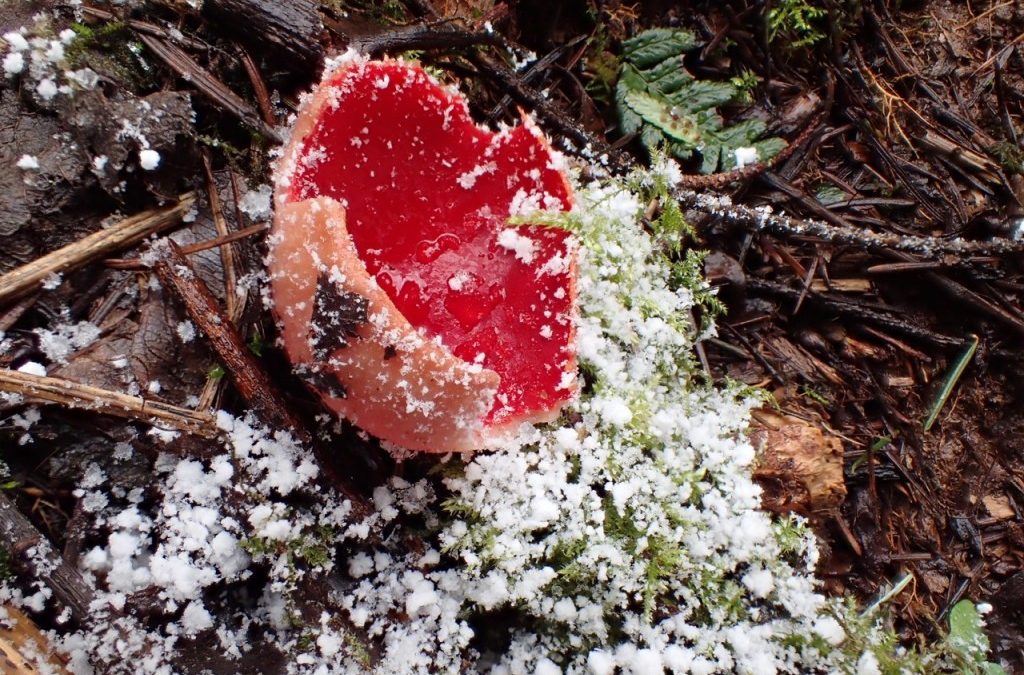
(629, 536)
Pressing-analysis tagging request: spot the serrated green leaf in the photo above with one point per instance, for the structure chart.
(652, 137)
(831, 194)
(630, 79)
(703, 95)
(655, 112)
(668, 76)
(655, 45)
(680, 151)
(659, 99)
(710, 157)
(769, 147)
(629, 121)
(989, 668)
(741, 134)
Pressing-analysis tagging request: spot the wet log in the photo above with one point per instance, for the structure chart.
(287, 32)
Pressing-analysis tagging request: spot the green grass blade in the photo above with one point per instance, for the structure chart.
(950, 383)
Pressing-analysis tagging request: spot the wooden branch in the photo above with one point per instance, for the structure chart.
(764, 220)
(281, 30)
(251, 380)
(177, 274)
(29, 277)
(33, 555)
(227, 253)
(183, 64)
(420, 37)
(862, 313)
(84, 397)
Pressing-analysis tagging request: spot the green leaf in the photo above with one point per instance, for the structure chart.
(658, 99)
(656, 45)
(769, 147)
(657, 113)
(830, 194)
(741, 135)
(703, 95)
(711, 156)
(965, 631)
(668, 76)
(679, 151)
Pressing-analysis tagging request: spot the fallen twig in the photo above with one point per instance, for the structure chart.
(419, 37)
(29, 277)
(138, 264)
(251, 380)
(762, 219)
(31, 553)
(259, 87)
(177, 274)
(214, 89)
(853, 310)
(85, 397)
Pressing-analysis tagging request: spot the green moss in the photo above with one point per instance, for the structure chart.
(1009, 155)
(6, 571)
(109, 50)
(357, 650)
(797, 22)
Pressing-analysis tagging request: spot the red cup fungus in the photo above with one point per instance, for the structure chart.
(404, 296)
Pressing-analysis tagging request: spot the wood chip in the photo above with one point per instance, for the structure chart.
(998, 506)
(801, 469)
(24, 650)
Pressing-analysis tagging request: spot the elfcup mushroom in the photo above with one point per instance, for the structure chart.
(404, 296)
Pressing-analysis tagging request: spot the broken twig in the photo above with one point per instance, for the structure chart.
(177, 274)
(84, 397)
(28, 278)
(32, 553)
(183, 64)
(763, 219)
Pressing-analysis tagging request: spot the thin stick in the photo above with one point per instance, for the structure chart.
(85, 397)
(227, 253)
(29, 277)
(177, 274)
(214, 89)
(763, 219)
(259, 87)
(137, 264)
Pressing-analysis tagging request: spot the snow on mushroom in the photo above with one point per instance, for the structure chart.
(404, 296)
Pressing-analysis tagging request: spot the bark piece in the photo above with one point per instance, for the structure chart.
(284, 31)
(24, 650)
(802, 467)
